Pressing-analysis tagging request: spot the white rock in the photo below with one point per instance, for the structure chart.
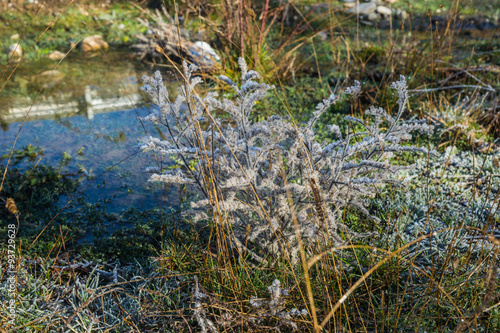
(363, 8)
(203, 48)
(384, 11)
(15, 52)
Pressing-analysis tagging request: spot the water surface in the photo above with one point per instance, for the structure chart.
(90, 112)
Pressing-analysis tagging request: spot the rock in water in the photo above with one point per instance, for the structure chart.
(94, 43)
(56, 55)
(48, 78)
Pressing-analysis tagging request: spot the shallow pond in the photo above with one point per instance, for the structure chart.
(89, 111)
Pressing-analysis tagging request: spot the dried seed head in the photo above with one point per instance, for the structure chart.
(11, 206)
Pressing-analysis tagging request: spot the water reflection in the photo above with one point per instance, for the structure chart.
(97, 124)
(89, 104)
(107, 142)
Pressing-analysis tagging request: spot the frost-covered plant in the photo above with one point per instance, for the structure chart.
(199, 312)
(275, 305)
(265, 175)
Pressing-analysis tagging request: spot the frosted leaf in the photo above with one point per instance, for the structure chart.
(354, 91)
(185, 66)
(248, 87)
(336, 130)
(402, 89)
(227, 80)
(195, 81)
(243, 66)
(251, 75)
(256, 302)
(321, 107)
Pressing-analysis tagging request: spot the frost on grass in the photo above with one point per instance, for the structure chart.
(262, 313)
(264, 175)
(275, 306)
(205, 324)
(454, 191)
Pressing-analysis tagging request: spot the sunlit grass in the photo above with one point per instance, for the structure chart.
(151, 287)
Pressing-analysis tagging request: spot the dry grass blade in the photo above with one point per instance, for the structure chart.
(489, 294)
(302, 251)
(378, 265)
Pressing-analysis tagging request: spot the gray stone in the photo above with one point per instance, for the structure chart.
(203, 54)
(372, 16)
(384, 11)
(363, 8)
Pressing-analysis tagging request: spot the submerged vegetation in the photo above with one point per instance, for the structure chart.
(317, 169)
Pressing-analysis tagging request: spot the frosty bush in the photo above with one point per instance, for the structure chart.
(260, 177)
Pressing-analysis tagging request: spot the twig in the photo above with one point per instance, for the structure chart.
(462, 86)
